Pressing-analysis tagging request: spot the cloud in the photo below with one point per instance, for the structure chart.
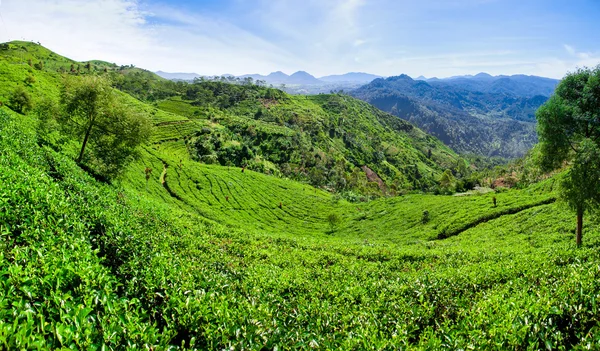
(384, 37)
(125, 32)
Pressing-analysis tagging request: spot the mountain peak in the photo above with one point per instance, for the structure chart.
(277, 74)
(401, 77)
(483, 75)
(302, 77)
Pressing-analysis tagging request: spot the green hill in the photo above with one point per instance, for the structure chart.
(330, 141)
(209, 257)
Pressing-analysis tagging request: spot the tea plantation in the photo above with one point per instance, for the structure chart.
(214, 257)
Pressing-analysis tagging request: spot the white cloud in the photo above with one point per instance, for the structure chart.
(359, 42)
(321, 37)
(120, 31)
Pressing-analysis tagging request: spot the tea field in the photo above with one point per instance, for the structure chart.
(85, 265)
(201, 256)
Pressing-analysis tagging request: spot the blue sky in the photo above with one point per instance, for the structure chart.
(417, 37)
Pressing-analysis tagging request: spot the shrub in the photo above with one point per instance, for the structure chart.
(425, 217)
(20, 101)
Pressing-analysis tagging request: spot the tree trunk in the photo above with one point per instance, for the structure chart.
(85, 140)
(579, 226)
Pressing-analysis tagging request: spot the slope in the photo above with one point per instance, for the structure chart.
(86, 264)
(478, 119)
(326, 140)
(172, 263)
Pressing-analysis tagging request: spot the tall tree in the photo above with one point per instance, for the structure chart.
(569, 131)
(93, 112)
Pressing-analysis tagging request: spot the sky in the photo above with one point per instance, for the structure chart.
(433, 38)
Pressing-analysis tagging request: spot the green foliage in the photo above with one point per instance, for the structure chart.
(580, 184)
(20, 101)
(95, 114)
(447, 180)
(569, 130)
(425, 217)
(209, 257)
(334, 220)
(87, 265)
(321, 139)
(30, 80)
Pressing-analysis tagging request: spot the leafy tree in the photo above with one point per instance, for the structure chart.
(20, 101)
(569, 131)
(447, 179)
(93, 112)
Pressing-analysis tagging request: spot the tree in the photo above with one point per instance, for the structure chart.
(20, 101)
(447, 180)
(569, 132)
(93, 112)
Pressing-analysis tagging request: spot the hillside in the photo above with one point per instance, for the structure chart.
(211, 256)
(485, 116)
(330, 141)
(326, 140)
(142, 266)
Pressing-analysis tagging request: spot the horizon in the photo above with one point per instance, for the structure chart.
(433, 38)
(319, 77)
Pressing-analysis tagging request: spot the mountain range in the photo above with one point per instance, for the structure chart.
(481, 114)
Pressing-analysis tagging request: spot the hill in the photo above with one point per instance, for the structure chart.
(202, 256)
(331, 141)
(481, 115)
(141, 266)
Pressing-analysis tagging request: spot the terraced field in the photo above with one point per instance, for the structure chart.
(177, 254)
(258, 202)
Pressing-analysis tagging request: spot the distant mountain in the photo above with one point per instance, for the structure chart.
(493, 116)
(277, 77)
(517, 85)
(352, 77)
(178, 76)
(302, 78)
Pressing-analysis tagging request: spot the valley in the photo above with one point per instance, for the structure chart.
(254, 219)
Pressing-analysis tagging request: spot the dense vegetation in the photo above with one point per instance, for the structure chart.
(569, 128)
(327, 140)
(181, 254)
(480, 115)
(330, 141)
